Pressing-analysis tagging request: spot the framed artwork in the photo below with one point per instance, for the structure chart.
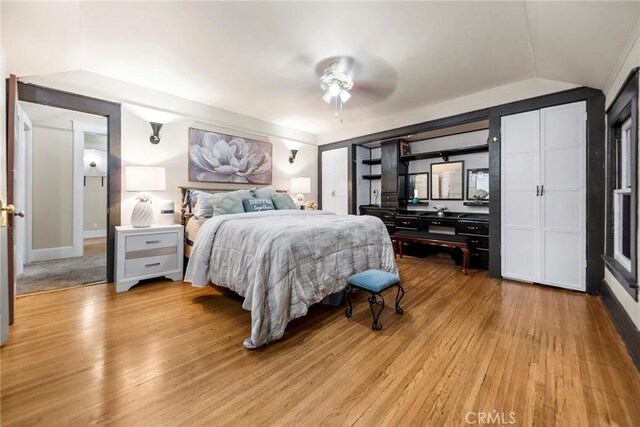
(218, 157)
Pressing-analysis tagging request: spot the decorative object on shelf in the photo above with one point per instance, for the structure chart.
(292, 156)
(300, 186)
(440, 209)
(155, 136)
(375, 197)
(218, 157)
(311, 205)
(480, 194)
(405, 148)
(336, 84)
(144, 179)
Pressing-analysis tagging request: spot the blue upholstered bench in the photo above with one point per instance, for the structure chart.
(374, 281)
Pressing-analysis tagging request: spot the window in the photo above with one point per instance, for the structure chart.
(621, 257)
(622, 198)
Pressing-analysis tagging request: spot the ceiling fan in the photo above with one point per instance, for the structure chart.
(363, 82)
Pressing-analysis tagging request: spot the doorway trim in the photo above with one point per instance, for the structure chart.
(112, 111)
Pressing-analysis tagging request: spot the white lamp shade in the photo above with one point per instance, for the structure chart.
(146, 178)
(301, 185)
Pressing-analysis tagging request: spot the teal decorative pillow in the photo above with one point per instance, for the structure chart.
(264, 192)
(227, 203)
(283, 201)
(257, 205)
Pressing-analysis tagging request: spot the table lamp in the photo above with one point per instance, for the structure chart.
(144, 179)
(300, 186)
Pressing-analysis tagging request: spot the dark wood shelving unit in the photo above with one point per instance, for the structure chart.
(445, 154)
(372, 161)
(372, 177)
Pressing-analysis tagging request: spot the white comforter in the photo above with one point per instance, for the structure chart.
(282, 262)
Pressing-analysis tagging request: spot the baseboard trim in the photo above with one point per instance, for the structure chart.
(92, 234)
(627, 329)
(52, 253)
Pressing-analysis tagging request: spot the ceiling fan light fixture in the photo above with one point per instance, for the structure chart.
(336, 84)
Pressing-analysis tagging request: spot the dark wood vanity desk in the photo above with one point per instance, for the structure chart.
(472, 225)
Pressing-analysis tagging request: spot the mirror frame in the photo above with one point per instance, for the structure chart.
(469, 171)
(410, 193)
(461, 179)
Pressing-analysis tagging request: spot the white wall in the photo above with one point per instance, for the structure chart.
(52, 188)
(95, 206)
(488, 98)
(631, 61)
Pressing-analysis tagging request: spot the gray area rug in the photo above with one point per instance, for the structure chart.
(62, 273)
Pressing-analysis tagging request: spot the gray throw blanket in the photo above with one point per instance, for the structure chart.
(284, 261)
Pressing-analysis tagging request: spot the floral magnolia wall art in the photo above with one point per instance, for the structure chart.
(216, 157)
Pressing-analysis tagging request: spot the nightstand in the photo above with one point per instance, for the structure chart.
(145, 253)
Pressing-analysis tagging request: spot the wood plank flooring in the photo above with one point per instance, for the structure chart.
(165, 353)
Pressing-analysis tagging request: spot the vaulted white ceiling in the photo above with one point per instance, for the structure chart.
(260, 59)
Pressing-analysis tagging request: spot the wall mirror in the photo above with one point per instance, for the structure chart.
(478, 184)
(419, 186)
(447, 181)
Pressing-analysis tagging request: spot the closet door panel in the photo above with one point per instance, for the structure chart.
(520, 210)
(328, 179)
(563, 204)
(341, 177)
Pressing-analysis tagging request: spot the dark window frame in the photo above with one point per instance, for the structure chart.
(624, 106)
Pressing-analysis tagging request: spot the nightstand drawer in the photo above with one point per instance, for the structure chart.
(142, 266)
(151, 241)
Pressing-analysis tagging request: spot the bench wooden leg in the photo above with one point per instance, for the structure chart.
(373, 300)
(465, 260)
(400, 247)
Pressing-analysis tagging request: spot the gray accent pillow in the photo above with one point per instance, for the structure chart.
(264, 192)
(258, 205)
(227, 203)
(201, 202)
(283, 201)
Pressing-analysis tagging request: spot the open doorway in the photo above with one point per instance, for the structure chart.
(61, 179)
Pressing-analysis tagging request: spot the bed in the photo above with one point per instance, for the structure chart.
(284, 261)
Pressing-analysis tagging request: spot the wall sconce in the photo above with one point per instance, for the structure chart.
(155, 137)
(292, 156)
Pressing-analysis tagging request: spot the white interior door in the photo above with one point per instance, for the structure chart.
(335, 182)
(563, 196)
(520, 148)
(328, 179)
(341, 182)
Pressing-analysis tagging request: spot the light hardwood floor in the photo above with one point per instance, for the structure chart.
(168, 354)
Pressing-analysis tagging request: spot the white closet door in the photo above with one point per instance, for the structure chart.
(563, 198)
(520, 148)
(328, 179)
(341, 183)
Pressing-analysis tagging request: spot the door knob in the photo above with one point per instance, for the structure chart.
(8, 212)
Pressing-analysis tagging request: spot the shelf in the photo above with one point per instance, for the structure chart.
(372, 177)
(481, 204)
(445, 154)
(372, 161)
